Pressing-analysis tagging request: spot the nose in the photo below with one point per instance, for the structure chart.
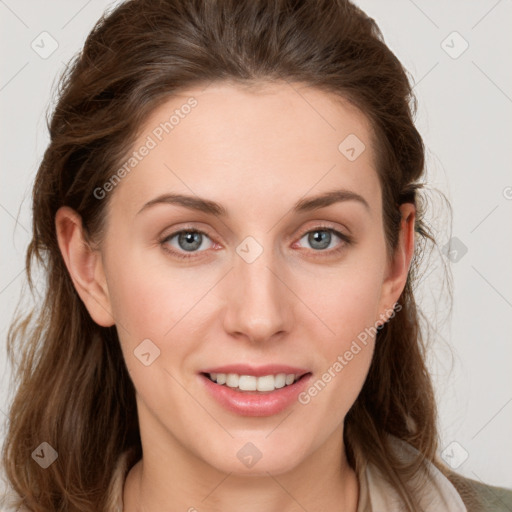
(259, 306)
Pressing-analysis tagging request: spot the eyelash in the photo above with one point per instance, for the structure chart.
(346, 239)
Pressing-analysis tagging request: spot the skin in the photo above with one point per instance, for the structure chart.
(256, 152)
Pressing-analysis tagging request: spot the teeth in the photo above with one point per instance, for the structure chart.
(266, 383)
(289, 379)
(252, 383)
(247, 383)
(280, 380)
(232, 380)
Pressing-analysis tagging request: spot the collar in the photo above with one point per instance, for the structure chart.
(434, 490)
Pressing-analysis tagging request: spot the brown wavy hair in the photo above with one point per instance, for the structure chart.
(72, 386)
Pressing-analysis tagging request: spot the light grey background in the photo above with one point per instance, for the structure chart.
(465, 107)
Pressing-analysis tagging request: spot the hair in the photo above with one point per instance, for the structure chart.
(73, 389)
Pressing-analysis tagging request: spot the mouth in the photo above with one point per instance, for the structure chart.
(250, 391)
(252, 383)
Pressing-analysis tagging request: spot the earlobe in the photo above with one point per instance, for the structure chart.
(398, 268)
(84, 265)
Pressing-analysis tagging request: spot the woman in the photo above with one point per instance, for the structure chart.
(229, 215)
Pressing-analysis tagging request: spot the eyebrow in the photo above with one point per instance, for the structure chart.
(213, 208)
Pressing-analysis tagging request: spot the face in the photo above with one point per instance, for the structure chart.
(266, 283)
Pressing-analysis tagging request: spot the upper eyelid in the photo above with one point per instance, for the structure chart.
(322, 227)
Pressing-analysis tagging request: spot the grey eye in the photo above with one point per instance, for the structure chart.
(188, 241)
(320, 239)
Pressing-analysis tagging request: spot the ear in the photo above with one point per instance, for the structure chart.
(398, 267)
(84, 265)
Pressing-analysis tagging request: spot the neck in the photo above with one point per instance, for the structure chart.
(176, 480)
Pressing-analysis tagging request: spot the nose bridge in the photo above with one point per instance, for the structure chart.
(258, 306)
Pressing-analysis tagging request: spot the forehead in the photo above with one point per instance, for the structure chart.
(275, 142)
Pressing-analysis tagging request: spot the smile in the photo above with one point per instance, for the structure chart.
(252, 382)
(255, 391)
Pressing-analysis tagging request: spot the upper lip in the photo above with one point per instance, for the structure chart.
(257, 371)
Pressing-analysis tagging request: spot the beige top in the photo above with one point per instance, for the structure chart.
(436, 492)
(377, 495)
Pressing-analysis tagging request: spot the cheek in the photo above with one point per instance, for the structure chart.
(172, 309)
(150, 300)
(347, 303)
(163, 306)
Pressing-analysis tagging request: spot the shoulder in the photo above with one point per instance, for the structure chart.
(10, 501)
(418, 477)
(481, 497)
(453, 491)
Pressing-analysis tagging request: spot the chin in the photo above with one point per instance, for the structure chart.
(256, 458)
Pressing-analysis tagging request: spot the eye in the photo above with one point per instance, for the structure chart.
(322, 239)
(188, 242)
(184, 241)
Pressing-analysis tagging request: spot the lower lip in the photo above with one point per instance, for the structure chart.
(246, 403)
